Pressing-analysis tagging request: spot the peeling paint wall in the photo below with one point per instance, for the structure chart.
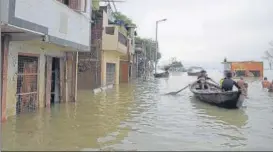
(22, 47)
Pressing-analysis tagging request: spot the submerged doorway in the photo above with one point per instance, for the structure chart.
(55, 81)
(27, 84)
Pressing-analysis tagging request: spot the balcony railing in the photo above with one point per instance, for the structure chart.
(122, 39)
(113, 39)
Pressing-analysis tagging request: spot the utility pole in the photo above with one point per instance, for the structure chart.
(144, 69)
(156, 31)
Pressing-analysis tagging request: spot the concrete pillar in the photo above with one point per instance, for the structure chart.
(4, 64)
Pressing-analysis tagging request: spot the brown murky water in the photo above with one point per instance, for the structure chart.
(138, 117)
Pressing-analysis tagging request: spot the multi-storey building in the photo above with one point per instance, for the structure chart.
(40, 43)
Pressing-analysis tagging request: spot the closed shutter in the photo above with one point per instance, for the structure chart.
(110, 73)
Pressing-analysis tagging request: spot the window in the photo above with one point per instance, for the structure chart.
(110, 30)
(77, 5)
(255, 73)
(240, 73)
(122, 39)
(66, 2)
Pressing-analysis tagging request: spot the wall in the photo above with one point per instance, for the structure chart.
(4, 10)
(110, 42)
(247, 66)
(109, 57)
(89, 77)
(77, 28)
(15, 48)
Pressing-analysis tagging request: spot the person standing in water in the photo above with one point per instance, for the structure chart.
(243, 85)
(265, 83)
(270, 87)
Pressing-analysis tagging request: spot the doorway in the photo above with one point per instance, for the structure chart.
(110, 73)
(55, 81)
(27, 84)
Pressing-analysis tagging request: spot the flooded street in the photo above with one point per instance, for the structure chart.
(138, 116)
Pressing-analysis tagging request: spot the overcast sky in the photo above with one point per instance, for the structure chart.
(205, 31)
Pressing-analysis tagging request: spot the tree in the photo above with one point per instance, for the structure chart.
(149, 44)
(268, 55)
(124, 18)
(150, 48)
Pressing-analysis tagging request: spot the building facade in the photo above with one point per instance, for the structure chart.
(89, 72)
(244, 68)
(40, 44)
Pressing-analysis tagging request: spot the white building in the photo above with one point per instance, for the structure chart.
(40, 41)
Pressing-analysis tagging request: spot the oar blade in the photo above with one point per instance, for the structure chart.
(171, 93)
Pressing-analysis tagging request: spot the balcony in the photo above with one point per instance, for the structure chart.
(114, 40)
(60, 23)
(139, 47)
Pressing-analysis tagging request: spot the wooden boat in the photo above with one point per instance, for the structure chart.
(193, 73)
(161, 75)
(215, 96)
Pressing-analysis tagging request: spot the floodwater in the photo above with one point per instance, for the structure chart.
(137, 116)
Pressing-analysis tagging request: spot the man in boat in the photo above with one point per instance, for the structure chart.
(228, 83)
(166, 68)
(201, 79)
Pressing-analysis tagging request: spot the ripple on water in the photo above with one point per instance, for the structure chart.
(137, 116)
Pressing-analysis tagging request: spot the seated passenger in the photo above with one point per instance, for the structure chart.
(202, 80)
(228, 83)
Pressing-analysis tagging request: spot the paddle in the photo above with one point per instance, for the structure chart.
(176, 92)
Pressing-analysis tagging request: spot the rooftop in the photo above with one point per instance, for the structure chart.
(243, 62)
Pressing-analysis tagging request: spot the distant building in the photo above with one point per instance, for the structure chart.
(244, 68)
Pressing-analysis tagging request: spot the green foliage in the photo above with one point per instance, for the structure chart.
(120, 16)
(95, 5)
(150, 45)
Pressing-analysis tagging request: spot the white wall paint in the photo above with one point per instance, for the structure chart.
(49, 13)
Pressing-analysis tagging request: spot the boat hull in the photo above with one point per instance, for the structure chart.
(161, 75)
(194, 73)
(230, 99)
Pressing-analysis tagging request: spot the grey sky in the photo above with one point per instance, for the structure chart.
(205, 30)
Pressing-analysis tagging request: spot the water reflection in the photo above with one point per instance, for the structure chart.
(235, 117)
(137, 116)
(94, 121)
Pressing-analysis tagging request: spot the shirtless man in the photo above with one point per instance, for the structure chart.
(243, 85)
(265, 83)
(270, 87)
